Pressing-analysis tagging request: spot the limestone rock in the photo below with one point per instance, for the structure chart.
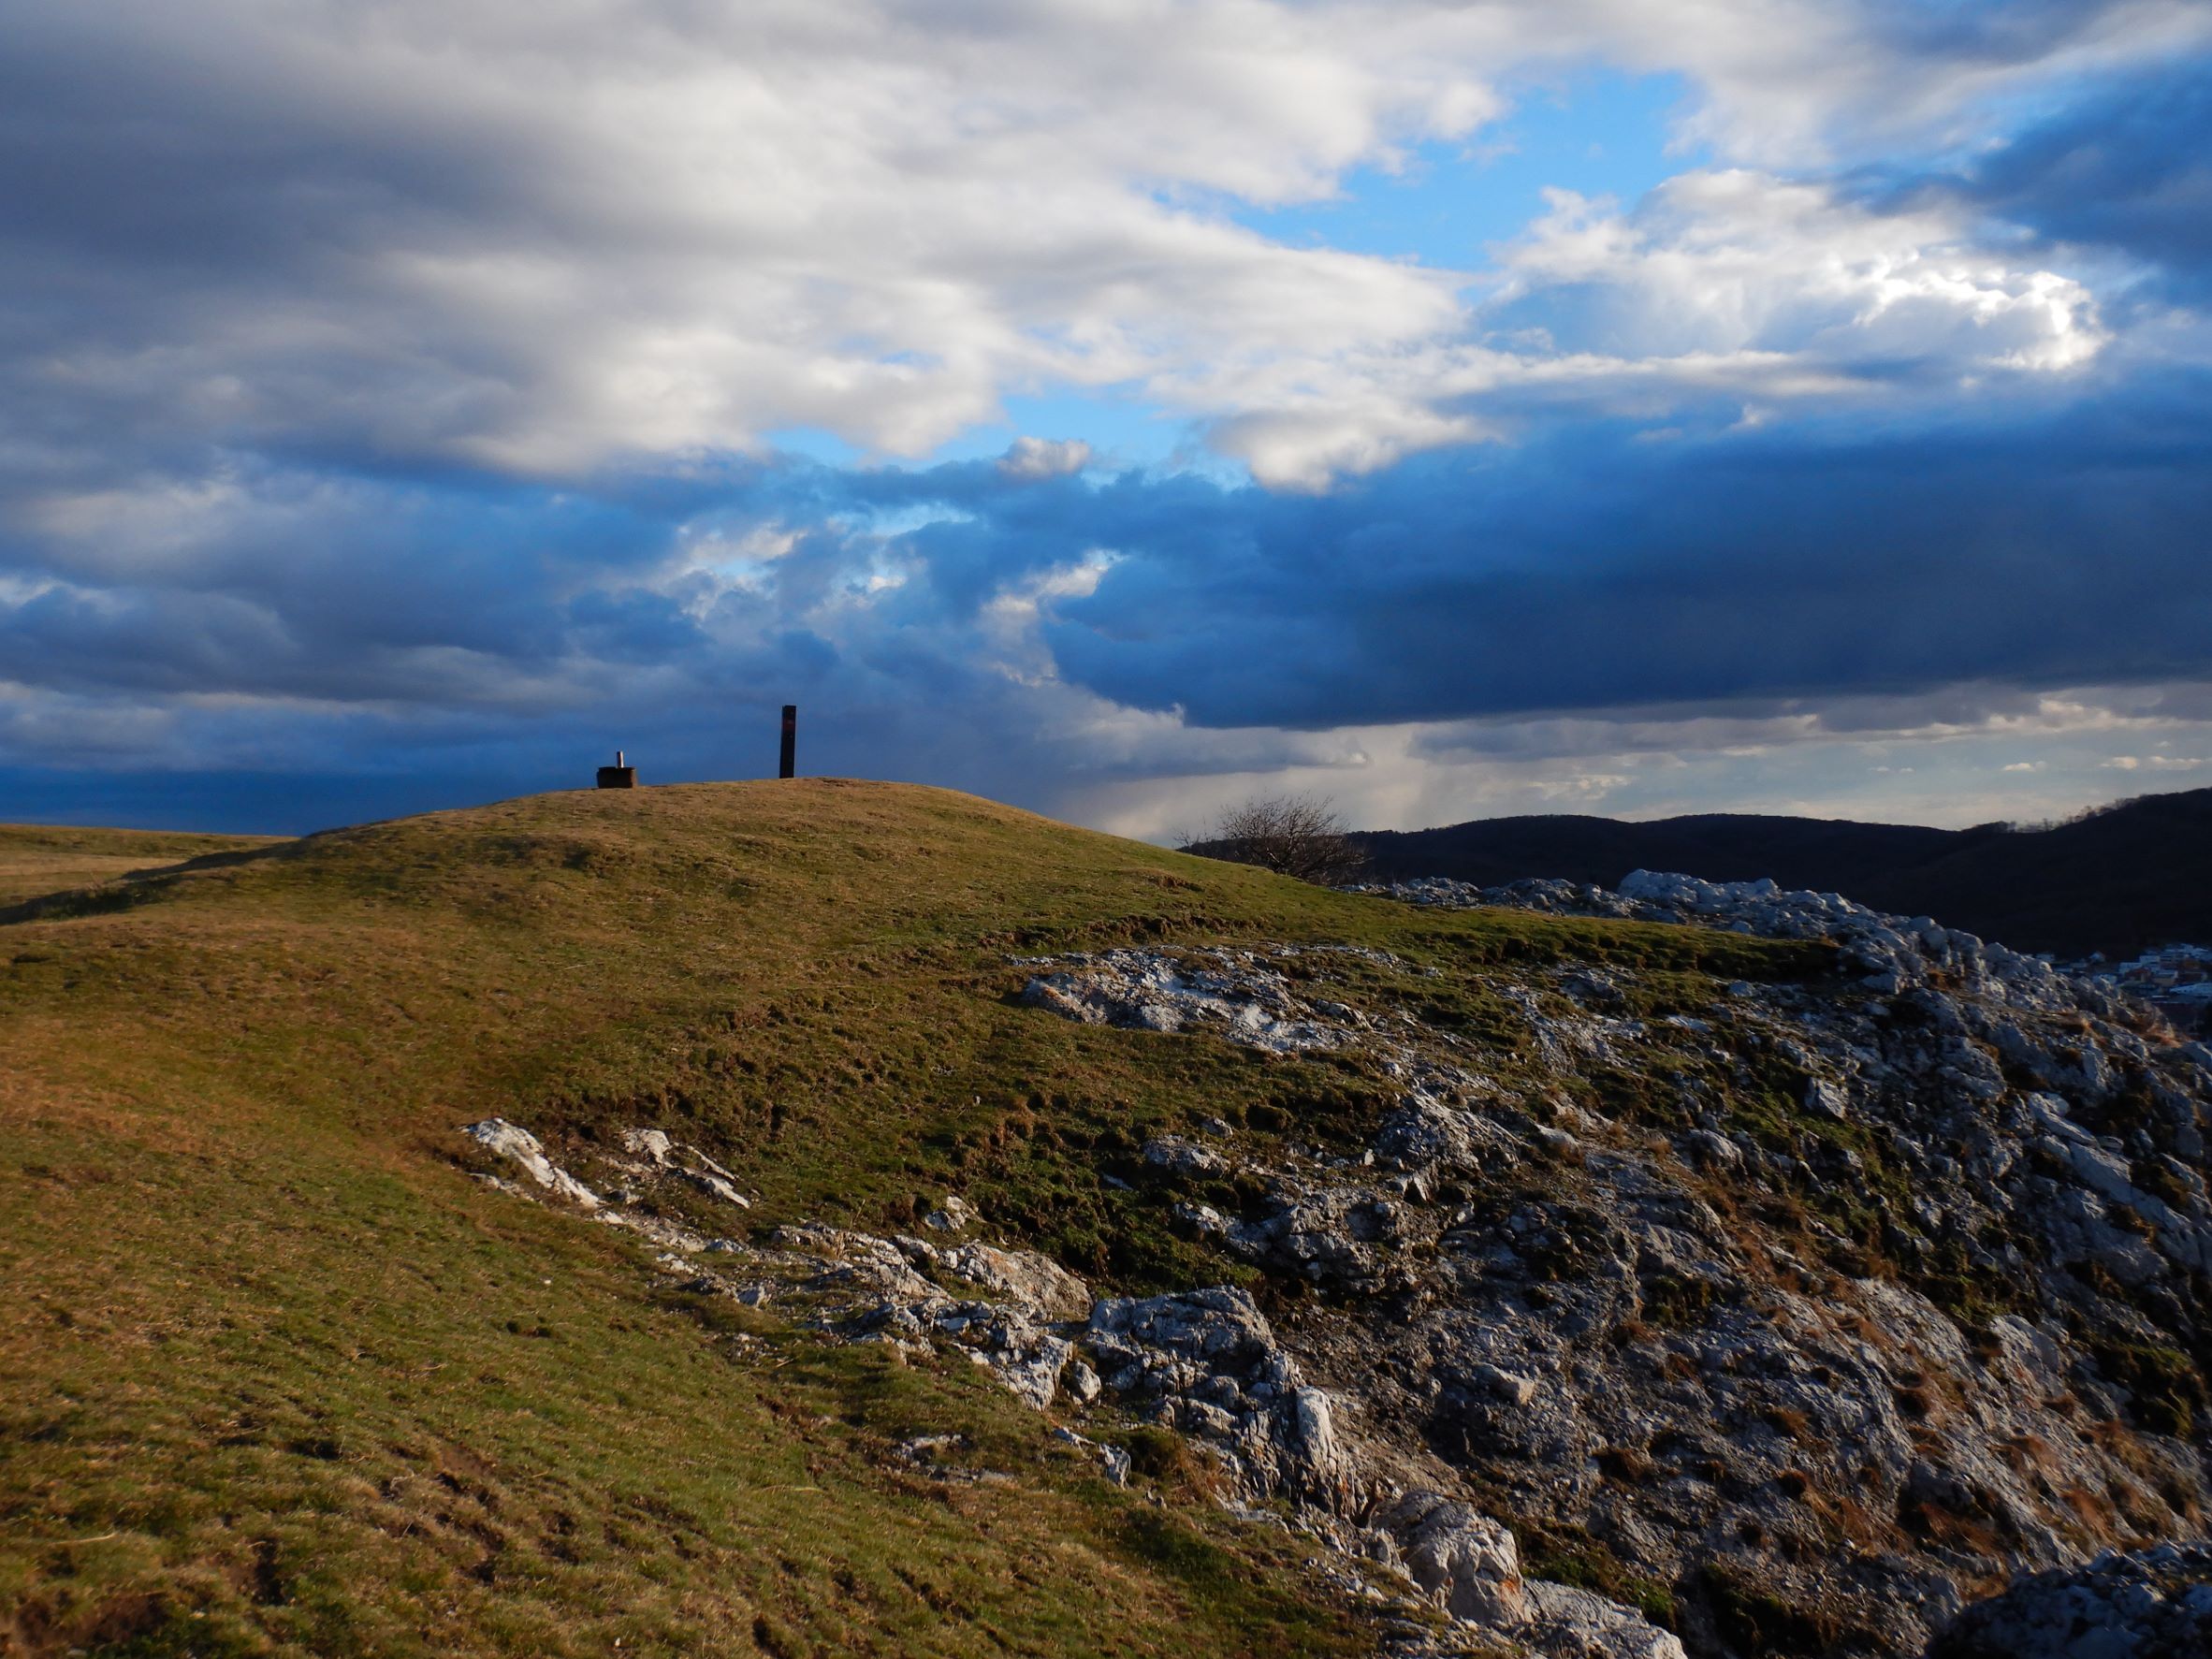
(1570, 1623)
(1225, 992)
(2145, 1604)
(1873, 1288)
(952, 1215)
(1467, 1561)
(1174, 1155)
(521, 1148)
(688, 1163)
(1037, 1284)
(1207, 1361)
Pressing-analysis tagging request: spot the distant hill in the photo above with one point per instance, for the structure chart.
(2122, 879)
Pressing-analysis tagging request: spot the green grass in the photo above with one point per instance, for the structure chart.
(277, 1376)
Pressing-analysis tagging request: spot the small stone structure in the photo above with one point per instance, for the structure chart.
(618, 776)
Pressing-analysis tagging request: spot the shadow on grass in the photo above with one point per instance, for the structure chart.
(135, 887)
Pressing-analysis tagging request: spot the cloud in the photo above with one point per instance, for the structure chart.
(460, 233)
(1042, 458)
(2125, 171)
(1733, 262)
(1028, 626)
(2156, 763)
(468, 233)
(1931, 761)
(1776, 295)
(407, 390)
(1587, 570)
(1808, 84)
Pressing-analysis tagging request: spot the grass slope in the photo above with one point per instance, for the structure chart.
(276, 1376)
(40, 859)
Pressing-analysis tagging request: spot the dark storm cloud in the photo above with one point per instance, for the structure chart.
(1591, 569)
(284, 582)
(2131, 172)
(182, 147)
(2125, 170)
(1595, 570)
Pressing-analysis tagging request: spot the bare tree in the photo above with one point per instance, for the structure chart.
(1299, 835)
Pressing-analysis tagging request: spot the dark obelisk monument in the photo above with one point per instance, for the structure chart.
(789, 765)
(618, 776)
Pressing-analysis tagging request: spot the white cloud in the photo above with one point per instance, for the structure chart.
(1044, 457)
(542, 237)
(1772, 292)
(1725, 265)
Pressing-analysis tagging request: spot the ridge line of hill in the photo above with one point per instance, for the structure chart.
(2127, 877)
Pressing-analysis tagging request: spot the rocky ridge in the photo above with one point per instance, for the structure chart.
(1798, 1319)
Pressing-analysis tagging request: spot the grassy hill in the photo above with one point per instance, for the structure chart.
(277, 1375)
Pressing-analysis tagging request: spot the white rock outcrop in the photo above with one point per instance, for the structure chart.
(521, 1148)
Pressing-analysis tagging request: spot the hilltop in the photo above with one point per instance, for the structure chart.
(828, 1217)
(2127, 877)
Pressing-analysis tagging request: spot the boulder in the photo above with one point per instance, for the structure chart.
(1464, 1559)
(1570, 1623)
(2144, 1604)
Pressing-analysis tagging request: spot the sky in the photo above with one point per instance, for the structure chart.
(1116, 407)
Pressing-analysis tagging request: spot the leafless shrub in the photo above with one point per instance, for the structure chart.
(1299, 835)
